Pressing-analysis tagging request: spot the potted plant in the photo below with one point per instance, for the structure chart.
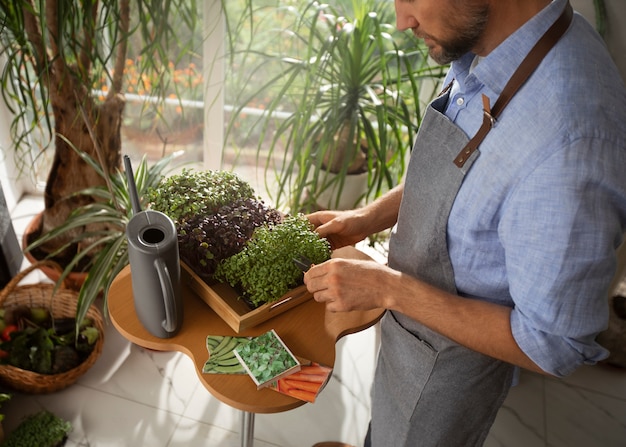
(42, 429)
(264, 270)
(54, 54)
(351, 100)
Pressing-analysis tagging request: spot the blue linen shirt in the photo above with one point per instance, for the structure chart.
(538, 217)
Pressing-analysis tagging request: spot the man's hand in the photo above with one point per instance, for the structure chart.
(341, 228)
(349, 284)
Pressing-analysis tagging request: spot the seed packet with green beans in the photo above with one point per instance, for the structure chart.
(266, 358)
(222, 358)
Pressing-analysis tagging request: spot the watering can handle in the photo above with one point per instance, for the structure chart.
(169, 299)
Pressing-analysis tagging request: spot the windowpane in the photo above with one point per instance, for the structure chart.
(165, 112)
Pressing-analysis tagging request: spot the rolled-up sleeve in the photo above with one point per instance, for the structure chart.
(560, 236)
(555, 353)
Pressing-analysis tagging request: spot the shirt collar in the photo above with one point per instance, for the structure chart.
(497, 67)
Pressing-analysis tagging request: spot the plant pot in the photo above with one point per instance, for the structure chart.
(354, 186)
(73, 281)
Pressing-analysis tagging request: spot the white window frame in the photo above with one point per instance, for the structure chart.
(13, 185)
(214, 67)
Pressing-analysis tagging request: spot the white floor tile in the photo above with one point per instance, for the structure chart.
(601, 379)
(191, 434)
(521, 420)
(580, 418)
(98, 419)
(157, 379)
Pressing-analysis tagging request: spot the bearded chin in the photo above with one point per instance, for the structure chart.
(466, 40)
(444, 55)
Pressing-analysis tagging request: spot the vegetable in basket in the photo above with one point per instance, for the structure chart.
(42, 344)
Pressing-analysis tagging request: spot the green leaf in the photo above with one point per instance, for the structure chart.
(91, 334)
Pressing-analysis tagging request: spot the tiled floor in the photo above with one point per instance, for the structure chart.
(136, 397)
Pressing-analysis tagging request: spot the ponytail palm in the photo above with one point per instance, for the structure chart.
(54, 53)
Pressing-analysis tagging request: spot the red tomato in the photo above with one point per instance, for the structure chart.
(8, 330)
(3, 354)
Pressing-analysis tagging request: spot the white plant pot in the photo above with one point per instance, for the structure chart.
(352, 190)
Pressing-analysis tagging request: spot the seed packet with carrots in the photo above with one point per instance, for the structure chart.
(305, 384)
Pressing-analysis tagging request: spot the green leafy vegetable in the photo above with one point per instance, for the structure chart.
(264, 270)
(48, 346)
(197, 193)
(91, 334)
(43, 429)
(3, 398)
(204, 241)
(266, 358)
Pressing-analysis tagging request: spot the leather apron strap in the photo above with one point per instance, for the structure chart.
(523, 72)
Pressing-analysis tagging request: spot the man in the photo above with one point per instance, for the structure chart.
(501, 256)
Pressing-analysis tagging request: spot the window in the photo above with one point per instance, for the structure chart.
(201, 90)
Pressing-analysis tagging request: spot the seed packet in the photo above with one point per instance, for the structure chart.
(266, 359)
(222, 359)
(305, 384)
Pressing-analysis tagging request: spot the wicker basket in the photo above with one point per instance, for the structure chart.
(61, 304)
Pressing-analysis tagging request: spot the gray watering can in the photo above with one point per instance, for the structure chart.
(154, 266)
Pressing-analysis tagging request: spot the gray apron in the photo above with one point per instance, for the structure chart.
(428, 390)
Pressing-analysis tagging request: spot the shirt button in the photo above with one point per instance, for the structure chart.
(460, 101)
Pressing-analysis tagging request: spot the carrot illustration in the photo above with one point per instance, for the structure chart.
(302, 395)
(314, 378)
(315, 369)
(306, 383)
(300, 385)
(280, 385)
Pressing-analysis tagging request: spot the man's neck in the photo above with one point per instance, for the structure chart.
(505, 18)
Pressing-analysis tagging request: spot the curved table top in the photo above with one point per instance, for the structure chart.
(307, 329)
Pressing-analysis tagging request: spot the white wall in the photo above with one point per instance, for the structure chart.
(615, 30)
(12, 185)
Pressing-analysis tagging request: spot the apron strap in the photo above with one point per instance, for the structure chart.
(523, 72)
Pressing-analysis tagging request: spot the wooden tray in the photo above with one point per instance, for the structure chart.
(224, 300)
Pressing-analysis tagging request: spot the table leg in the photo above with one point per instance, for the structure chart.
(247, 429)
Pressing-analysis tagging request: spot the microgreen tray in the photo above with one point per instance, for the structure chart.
(226, 302)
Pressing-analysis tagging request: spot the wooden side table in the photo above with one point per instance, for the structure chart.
(307, 329)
